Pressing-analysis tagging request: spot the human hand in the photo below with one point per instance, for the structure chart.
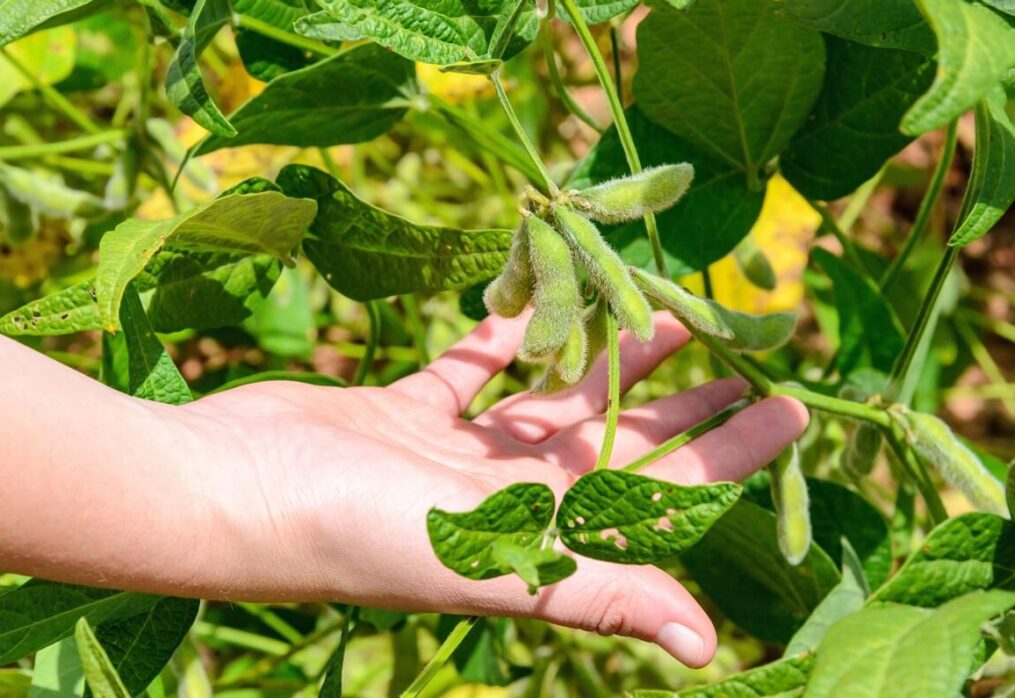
(323, 493)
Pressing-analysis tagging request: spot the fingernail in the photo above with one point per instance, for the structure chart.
(682, 642)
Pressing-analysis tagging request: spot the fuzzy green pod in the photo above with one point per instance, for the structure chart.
(557, 299)
(629, 198)
(754, 264)
(570, 363)
(792, 505)
(858, 458)
(596, 329)
(741, 331)
(608, 272)
(936, 444)
(509, 293)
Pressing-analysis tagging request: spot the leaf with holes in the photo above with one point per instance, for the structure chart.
(891, 650)
(976, 48)
(71, 310)
(633, 519)
(350, 98)
(268, 223)
(502, 535)
(429, 31)
(991, 188)
(366, 253)
(730, 95)
(184, 82)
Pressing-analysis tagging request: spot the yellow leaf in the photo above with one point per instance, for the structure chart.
(783, 232)
(48, 55)
(453, 87)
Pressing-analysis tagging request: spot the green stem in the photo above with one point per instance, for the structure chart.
(486, 139)
(930, 199)
(982, 356)
(284, 37)
(55, 99)
(414, 319)
(833, 405)
(1002, 329)
(618, 73)
(373, 338)
(686, 437)
(548, 184)
(905, 365)
(619, 120)
(546, 39)
(71, 145)
(444, 652)
(918, 474)
(613, 393)
(858, 202)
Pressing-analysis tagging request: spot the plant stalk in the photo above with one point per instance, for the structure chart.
(613, 393)
(619, 120)
(373, 339)
(686, 437)
(930, 199)
(546, 39)
(71, 145)
(548, 184)
(280, 35)
(444, 652)
(55, 99)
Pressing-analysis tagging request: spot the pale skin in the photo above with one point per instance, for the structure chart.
(290, 492)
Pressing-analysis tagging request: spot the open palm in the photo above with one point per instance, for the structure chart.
(335, 485)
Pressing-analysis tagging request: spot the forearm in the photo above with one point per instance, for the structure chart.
(97, 487)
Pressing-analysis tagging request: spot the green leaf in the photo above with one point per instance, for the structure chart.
(184, 83)
(428, 31)
(597, 11)
(140, 646)
(350, 98)
(893, 650)
(366, 253)
(264, 58)
(107, 50)
(57, 671)
(39, 613)
(284, 322)
(1003, 5)
(976, 47)
(706, 224)
(633, 519)
(48, 195)
(467, 542)
(869, 333)
(716, 74)
(739, 331)
(879, 23)
(202, 291)
(71, 310)
(845, 598)
(268, 223)
(854, 126)
(536, 567)
(991, 187)
(99, 672)
(21, 17)
(151, 373)
(779, 679)
(739, 566)
(963, 554)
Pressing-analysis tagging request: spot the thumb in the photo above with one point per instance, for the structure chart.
(636, 601)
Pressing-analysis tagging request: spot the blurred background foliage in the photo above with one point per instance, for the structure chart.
(429, 171)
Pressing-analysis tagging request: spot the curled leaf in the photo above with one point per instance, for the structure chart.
(628, 198)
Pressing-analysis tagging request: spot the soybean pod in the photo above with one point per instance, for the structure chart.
(628, 198)
(509, 293)
(556, 299)
(608, 273)
(792, 505)
(863, 448)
